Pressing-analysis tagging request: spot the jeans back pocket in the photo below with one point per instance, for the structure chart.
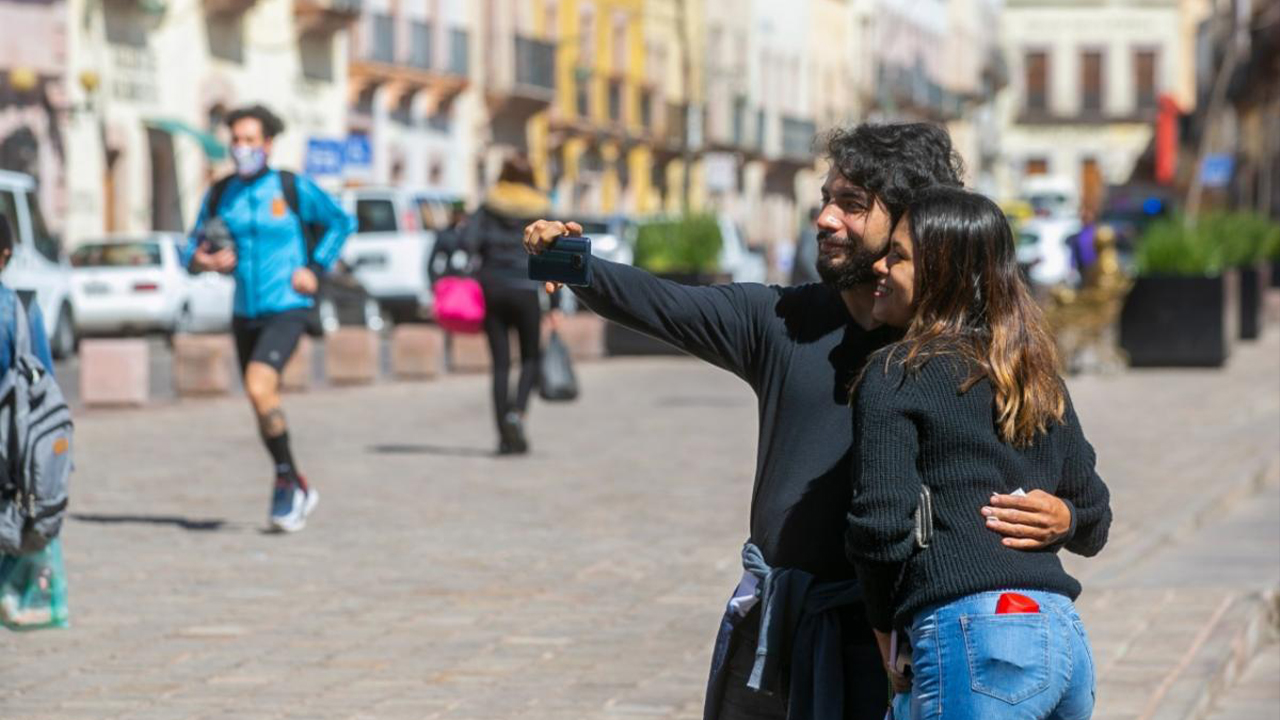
(1008, 654)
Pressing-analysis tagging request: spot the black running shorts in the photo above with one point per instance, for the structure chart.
(270, 339)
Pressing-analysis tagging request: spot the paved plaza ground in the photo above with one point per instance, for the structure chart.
(585, 581)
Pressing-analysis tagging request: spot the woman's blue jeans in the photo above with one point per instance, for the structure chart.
(968, 662)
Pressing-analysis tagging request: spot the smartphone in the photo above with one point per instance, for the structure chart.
(215, 235)
(568, 261)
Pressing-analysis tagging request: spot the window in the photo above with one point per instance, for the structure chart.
(384, 39)
(646, 107)
(130, 254)
(375, 216)
(1036, 166)
(420, 47)
(1144, 78)
(615, 100)
(1036, 66)
(45, 243)
(1091, 82)
(583, 92)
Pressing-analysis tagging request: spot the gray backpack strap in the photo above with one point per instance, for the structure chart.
(21, 330)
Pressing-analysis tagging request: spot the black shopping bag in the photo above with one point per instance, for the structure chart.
(558, 383)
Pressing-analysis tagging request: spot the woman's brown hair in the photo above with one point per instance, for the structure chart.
(971, 301)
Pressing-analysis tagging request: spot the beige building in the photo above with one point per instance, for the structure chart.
(1085, 79)
(147, 140)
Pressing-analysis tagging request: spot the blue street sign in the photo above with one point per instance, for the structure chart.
(1216, 170)
(324, 157)
(359, 151)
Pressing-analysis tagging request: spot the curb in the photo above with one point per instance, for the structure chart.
(1221, 653)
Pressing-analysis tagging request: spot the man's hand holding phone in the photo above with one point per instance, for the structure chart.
(540, 235)
(558, 254)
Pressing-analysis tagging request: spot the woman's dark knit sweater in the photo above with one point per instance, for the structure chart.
(914, 428)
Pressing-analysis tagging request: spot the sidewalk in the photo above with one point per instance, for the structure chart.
(585, 581)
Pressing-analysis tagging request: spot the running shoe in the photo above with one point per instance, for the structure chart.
(290, 505)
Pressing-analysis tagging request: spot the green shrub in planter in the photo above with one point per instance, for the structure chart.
(683, 245)
(1169, 247)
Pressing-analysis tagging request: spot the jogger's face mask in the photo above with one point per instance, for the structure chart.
(249, 160)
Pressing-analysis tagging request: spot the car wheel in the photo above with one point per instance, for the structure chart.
(63, 343)
(373, 315)
(183, 323)
(328, 315)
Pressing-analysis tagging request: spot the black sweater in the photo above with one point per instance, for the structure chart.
(799, 349)
(916, 428)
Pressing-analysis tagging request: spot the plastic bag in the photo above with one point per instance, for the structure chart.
(557, 382)
(33, 589)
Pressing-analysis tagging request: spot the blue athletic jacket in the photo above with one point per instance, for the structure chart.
(269, 241)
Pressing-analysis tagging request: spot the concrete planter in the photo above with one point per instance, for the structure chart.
(1179, 321)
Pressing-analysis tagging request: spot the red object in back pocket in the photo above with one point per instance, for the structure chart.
(1015, 603)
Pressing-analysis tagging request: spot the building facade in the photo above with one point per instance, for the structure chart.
(147, 139)
(1085, 80)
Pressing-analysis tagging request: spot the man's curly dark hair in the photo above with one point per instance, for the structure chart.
(892, 161)
(272, 125)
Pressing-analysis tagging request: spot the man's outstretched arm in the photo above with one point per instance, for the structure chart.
(717, 323)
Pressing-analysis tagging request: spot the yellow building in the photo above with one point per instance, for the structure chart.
(592, 146)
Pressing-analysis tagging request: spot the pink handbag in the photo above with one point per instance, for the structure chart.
(459, 304)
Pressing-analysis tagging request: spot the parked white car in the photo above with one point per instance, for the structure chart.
(1043, 250)
(388, 254)
(611, 238)
(38, 269)
(135, 284)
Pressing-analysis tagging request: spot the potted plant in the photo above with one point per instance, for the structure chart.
(1246, 240)
(1180, 311)
(684, 249)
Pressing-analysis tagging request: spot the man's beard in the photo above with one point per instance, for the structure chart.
(855, 269)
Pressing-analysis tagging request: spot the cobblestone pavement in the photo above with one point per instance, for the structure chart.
(435, 581)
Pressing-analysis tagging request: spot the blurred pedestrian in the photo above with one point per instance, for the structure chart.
(278, 233)
(1083, 244)
(512, 300)
(799, 349)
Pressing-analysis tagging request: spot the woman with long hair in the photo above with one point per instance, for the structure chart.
(512, 301)
(968, 404)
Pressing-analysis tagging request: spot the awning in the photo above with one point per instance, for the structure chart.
(213, 148)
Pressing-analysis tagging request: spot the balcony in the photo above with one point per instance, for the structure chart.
(536, 67)
(325, 17)
(797, 139)
(522, 77)
(405, 71)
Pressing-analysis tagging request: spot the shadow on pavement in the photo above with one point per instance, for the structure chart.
(430, 450)
(181, 522)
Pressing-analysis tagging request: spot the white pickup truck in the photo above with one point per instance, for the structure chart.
(388, 254)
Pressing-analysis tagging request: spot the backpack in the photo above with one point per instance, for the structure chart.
(311, 232)
(35, 448)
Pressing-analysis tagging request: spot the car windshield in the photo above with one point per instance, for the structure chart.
(129, 254)
(375, 216)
